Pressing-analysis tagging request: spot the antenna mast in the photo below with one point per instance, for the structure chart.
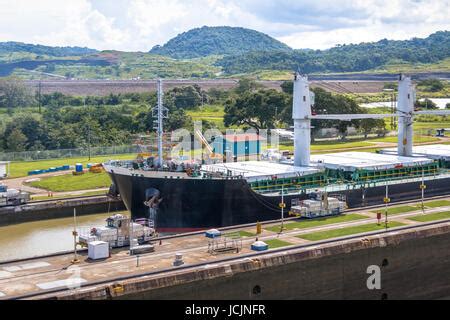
(160, 112)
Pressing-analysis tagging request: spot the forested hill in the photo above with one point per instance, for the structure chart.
(205, 41)
(344, 58)
(14, 47)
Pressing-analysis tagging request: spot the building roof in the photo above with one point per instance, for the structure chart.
(239, 137)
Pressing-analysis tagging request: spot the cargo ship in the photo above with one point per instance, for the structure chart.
(180, 196)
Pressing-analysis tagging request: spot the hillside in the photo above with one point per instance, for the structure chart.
(344, 58)
(250, 54)
(8, 48)
(205, 41)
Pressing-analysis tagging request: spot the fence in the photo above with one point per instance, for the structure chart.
(67, 153)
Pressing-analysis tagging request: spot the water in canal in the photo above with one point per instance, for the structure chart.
(43, 237)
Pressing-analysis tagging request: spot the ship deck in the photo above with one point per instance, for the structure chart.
(352, 161)
(432, 151)
(257, 170)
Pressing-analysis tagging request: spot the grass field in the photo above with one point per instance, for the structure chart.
(276, 243)
(21, 169)
(327, 145)
(317, 222)
(70, 182)
(211, 113)
(416, 139)
(437, 203)
(431, 216)
(398, 210)
(315, 236)
(244, 233)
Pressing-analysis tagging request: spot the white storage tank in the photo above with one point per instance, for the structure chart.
(98, 250)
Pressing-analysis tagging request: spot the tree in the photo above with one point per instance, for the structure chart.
(287, 87)
(426, 104)
(16, 141)
(246, 85)
(14, 94)
(368, 126)
(433, 85)
(255, 109)
(187, 97)
(327, 103)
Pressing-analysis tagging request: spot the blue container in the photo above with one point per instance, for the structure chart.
(213, 233)
(3, 188)
(260, 246)
(52, 169)
(66, 167)
(79, 167)
(30, 173)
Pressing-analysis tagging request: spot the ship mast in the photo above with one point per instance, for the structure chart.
(160, 113)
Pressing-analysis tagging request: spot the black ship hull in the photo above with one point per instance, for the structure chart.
(197, 204)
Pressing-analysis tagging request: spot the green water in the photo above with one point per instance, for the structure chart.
(43, 237)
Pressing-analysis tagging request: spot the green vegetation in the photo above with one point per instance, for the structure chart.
(334, 233)
(396, 66)
(397, 210)
(65, 123)
(303, 224)
(343, 58)
(431, 216)
(70, 182)
(209, 52)
(276, 243)
(244, 233)
(40, 50)
(437, 203)
(21, 169)
(416, 138)
(209, 113)
(205, 41)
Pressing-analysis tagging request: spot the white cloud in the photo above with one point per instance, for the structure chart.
(140, 24)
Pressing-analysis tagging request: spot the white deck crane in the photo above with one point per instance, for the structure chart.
(302, 117)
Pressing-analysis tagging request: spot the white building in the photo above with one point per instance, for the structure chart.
(4, 169)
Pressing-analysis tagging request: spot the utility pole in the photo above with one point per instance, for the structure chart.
(89, 129)
(160, 112)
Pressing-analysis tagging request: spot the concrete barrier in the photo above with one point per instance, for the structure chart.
(413, 264)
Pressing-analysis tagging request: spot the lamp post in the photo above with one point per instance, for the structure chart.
(386, 201)
(75, 234)
(282, 206)
(423, 187)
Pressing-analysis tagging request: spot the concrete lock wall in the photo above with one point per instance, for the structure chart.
(57, 209)
(414, 265)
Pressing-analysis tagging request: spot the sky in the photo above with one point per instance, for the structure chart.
(138, 25)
